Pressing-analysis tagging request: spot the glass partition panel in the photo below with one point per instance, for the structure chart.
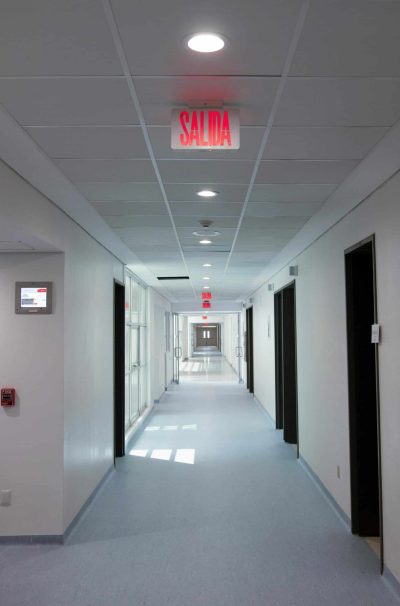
(135, 350)
(134, 404)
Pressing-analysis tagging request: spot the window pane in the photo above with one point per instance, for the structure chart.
(135, 302)
(134, 411)
(127, 299)
(134, 345)
(127, 348)
(127, 400)
(143, 358)
(143, 389)
(143, 298)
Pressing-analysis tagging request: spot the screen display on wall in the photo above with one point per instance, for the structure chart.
(33, 297)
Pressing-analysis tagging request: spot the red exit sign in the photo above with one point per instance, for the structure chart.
(205, 128)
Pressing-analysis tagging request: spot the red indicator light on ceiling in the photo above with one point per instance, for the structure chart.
(206, 296)
(206, 304)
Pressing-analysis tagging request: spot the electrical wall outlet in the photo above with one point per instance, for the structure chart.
(5, 497)
(338, 471)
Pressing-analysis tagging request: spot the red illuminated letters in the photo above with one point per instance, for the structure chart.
(205, 128)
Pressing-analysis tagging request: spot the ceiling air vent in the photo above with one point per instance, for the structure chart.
(172, 277)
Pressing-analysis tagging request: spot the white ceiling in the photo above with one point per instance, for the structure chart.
(93, 83)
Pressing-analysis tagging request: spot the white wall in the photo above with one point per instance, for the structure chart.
(82, 387)
(31, 434)
(230, 340)
(160, 360)
(322, 352)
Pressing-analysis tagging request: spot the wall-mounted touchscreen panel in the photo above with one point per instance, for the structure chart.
(33, 297)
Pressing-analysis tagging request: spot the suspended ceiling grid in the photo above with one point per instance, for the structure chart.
(318, 82)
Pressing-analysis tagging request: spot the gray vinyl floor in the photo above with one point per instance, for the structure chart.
(210, 508)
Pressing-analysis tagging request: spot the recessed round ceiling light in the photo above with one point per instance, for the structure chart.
(205, 287)
(207, 193)
(206, 233)
(204, 241)
(206, 42)
(207, 265)
(206, 278)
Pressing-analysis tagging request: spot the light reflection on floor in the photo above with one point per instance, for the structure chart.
(182, 455)
(207, 368)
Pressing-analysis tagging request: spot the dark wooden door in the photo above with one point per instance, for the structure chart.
(119, 369)
(249, 349)
(363, 392)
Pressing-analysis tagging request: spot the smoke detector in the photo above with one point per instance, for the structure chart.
(206, 223)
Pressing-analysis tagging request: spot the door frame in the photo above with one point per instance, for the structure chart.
(370, 240)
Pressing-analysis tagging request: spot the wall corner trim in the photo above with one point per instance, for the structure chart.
(86, 506)
(265, 411)
(391, 582)
(325, 492)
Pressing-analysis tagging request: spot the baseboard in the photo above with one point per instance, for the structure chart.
(138, 424)
(85, 507)
(33, 539)
(325, 492)
(139, 427)
(162, 396)
(265, 411)
(57, 538)
(391, 582)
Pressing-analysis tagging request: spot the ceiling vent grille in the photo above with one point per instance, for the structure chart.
(172, 277)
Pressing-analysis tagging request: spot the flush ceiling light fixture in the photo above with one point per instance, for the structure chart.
(206, 278)
(204, 241)
(207, 193)
(207, 265)
(205, 287)
(206, 42)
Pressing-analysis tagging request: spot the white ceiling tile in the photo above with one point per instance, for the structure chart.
(321, 143)
(107, 170)
(299, 209)
(253, 96)
(204, 171)
(339, 102)
(249, 257)
(117, 209)
(207, 210)
(55, 37)
(349, 38)
(261, 226)
(90, 141)
(154, 35)
(138, 236)
(288, 192)
(138, 221)
(250, 140)
(67, 101)
(126, 191)
(304, 171)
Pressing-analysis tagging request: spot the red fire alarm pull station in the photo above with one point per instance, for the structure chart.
(7, 396)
